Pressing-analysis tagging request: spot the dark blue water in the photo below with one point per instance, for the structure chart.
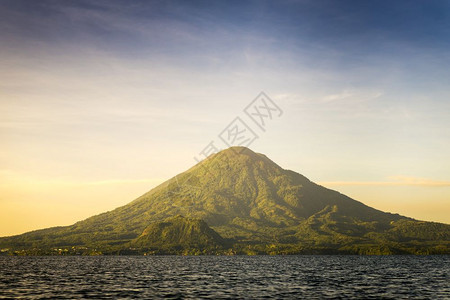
(113, 277)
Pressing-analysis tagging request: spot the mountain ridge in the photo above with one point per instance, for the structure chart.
(248, 199)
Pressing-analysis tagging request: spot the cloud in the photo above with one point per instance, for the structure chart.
(121, 181)
(393, 181)
(351, 96)
(334, 97)
(12, 178)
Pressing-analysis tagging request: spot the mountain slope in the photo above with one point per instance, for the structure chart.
(246, 197)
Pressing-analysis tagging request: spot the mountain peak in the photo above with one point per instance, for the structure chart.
(236, 151)
(238, 156)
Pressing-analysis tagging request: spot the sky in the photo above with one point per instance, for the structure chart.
(102, 100)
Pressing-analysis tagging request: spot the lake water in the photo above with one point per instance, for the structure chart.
(113, 277)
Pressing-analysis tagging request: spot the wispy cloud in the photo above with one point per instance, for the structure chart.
(334, 97)
(121, 181)
(351, 95)
(11, 178)
(393, 181)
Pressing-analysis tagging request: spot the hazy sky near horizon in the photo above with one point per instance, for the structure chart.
(102, 100)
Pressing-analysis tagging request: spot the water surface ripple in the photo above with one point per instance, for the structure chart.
(175, 277)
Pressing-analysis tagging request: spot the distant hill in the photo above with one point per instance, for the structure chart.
(191, 236)
(247, 200)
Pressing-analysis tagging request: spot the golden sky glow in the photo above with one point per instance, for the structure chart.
(98, 104)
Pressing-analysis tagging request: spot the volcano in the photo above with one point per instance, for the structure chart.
(238, 202)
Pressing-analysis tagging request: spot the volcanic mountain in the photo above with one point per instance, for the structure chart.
(239, 201)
